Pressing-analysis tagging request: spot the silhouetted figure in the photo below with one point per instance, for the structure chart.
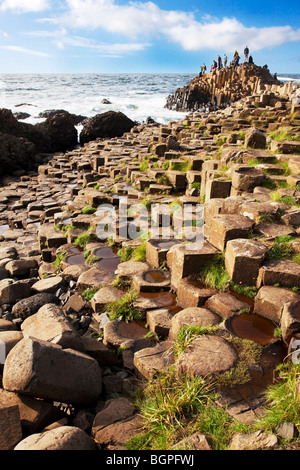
(250, 60)
(219, 62)
(225, 60)
(246, 53)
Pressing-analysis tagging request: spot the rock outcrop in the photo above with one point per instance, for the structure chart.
(106, 125)
(221, 87)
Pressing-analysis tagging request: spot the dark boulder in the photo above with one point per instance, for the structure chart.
(20, 115)
(49, 113)
(16, 153)
(107, 125)
(56, 134)
(10, 125)
(60, 129)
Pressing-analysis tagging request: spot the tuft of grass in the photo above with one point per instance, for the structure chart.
(214, 274)
(134, 254)
(182, 166)
(188, 333)
(283, 404)
(124, 309)
(84, 239)
(289, 200)
(144, 165)
(281, 248)
(89, 210)
(126, 253)
(89, 293)
(173, 406)
(247, 291)
(59, 258)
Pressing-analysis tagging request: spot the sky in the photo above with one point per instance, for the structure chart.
(160, 36)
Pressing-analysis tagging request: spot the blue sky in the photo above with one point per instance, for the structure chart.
(103, 36)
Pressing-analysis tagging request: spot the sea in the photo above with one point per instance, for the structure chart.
(138, 96)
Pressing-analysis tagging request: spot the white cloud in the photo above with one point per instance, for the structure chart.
(136, 19)
(25, 6)
(62, 40)
(23, 50)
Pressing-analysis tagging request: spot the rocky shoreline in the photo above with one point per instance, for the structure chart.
(85, 321)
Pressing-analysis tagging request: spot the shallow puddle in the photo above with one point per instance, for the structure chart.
(252, 327)
(154, 277)
(165, 245)
(75, 259)
(109, 264)
(163, 300)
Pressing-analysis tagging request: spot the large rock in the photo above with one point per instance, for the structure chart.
(255, 139)
(35, 414)
(150, 361)
(240, 253)
(61, 131)
(30, 305)
(10, 426)
(11, 292)
(51, 324)
(15, 153)
(225, 227)
(207, 355)
(55, 134)
(290, 321)
(61, 438)
(270, 301)
(106, 125)
(44, 370)
(193, 316)
(116, 409)
(285, 272)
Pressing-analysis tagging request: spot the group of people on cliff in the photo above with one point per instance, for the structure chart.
(219, 63)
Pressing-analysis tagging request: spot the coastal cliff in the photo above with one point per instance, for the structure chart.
(221, 87)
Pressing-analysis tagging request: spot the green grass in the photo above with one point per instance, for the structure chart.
(124, 309)
(89, 293)
(135, 254)
(214, 274)
(188, 333)
(182, 166)
(247, 291)
(289, 200)
(125, 253)
(284, 133)
(59, 258)
(144, 165)
(84, 239)
(89, 210)
(173, 406)
(283, 404)
(281, 248)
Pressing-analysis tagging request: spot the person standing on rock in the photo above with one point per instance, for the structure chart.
(204, 69)
(225, 60)
(246, 53)
(219, 62)
(236, 61)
